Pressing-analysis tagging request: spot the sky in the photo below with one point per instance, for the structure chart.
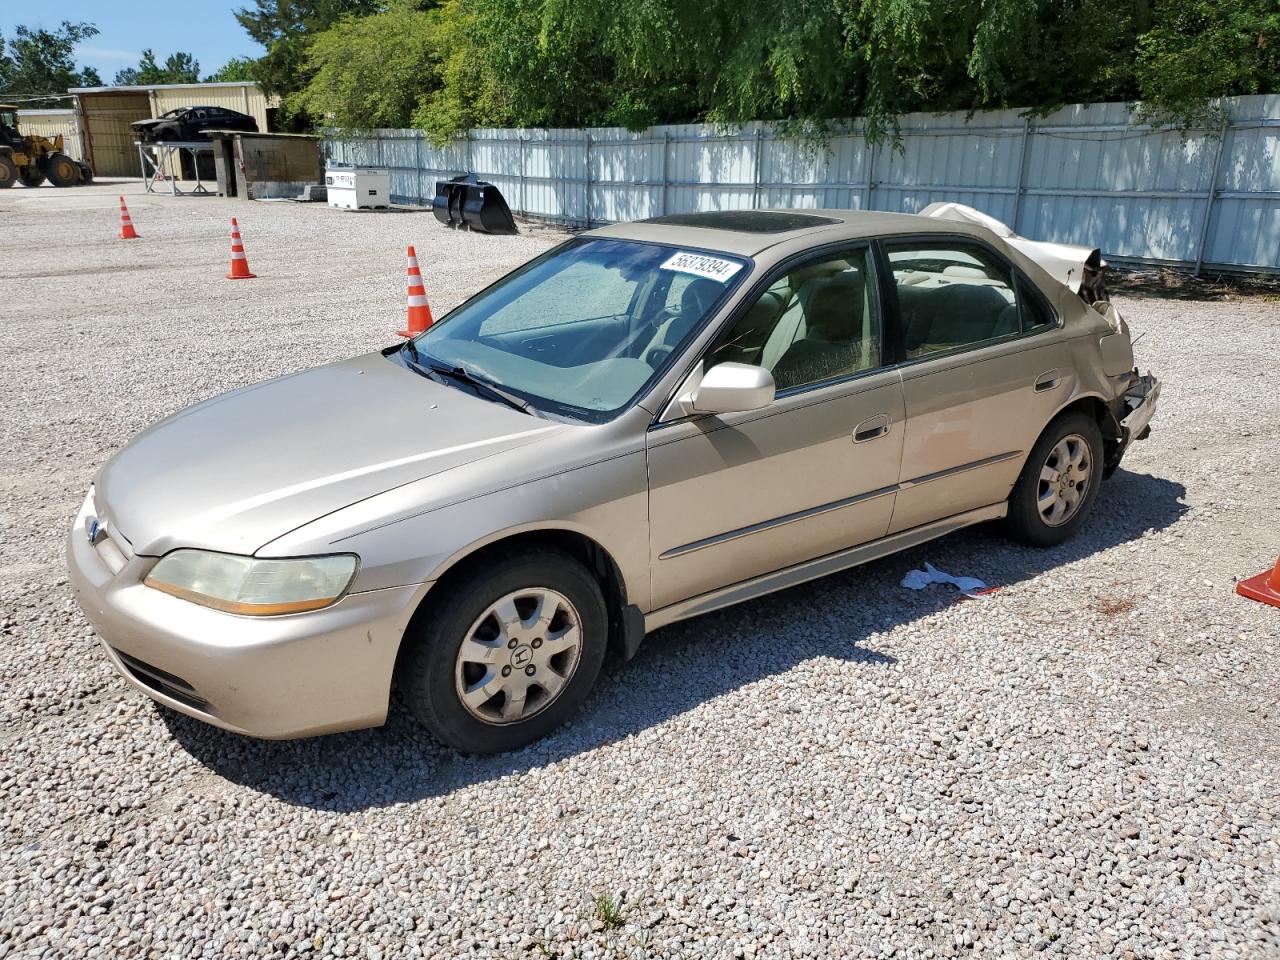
(205, 28)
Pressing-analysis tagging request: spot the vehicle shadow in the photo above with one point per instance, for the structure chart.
(677, 668)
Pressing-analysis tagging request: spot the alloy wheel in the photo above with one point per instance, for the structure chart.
(1064, 480)
(518, 656)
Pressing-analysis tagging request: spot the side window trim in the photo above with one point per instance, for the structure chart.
(889, 293)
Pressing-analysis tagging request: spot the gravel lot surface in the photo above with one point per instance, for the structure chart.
(1085, 764)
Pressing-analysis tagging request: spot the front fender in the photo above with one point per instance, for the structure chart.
(605, 501)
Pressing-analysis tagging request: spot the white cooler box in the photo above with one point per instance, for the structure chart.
(358, 188)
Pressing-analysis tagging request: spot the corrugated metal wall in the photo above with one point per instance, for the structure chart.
(242, 97)
(53, 123)
(105, 119)
(1083, 174)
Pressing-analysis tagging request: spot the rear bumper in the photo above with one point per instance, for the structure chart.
(1140, 403)
(272, 677)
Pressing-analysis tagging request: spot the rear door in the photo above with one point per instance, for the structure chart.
(984, 367)
(735, 496)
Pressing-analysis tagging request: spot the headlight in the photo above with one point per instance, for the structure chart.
(253, 587)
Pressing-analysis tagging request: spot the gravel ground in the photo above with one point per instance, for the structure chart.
(1085, 764)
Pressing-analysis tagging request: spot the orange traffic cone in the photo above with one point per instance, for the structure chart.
(126, 225)
(239, 262)
(419, 311)
(1265, 586)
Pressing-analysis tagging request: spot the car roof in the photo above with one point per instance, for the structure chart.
(750, 232)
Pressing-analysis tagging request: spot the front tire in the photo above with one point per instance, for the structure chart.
(61, 170)
(1059, 482)
(507, 654)
(8, 172)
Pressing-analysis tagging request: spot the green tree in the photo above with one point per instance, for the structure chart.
(40, 61)
(178, 67)
(446, 65)
(285, 27)
(237, 68)
(814, 61)
(371, 71)
(468, 94)
(1203, 49)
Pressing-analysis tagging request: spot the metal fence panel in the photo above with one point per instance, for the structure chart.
(1084, 174)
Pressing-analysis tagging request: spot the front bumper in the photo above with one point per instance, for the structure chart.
(272, 677)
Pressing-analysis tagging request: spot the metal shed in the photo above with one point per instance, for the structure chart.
(54, 123)
(254, 166)
(104, 115)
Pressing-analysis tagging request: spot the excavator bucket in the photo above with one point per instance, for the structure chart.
(466, 202)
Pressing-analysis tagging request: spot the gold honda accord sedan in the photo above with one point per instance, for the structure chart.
(651, 421)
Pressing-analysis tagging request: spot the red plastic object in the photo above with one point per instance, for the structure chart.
(419, 312)
(239, 262)
(126, 224)
(1265, 587)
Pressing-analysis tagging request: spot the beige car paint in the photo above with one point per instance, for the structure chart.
(693, 511)
(971, 420)
(727, 502)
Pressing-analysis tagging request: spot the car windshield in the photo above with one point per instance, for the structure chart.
(584, 329)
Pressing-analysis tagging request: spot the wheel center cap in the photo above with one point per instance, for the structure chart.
(522, 656)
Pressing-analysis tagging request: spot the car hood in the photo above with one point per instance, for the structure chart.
(237, 471)
(144, 124)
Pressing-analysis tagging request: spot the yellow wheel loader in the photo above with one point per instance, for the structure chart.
(34, 159)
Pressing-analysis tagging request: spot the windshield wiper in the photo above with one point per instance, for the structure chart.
(442, 374)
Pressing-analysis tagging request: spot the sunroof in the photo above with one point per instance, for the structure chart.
(744, 221)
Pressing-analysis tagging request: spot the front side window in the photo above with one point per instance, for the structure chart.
(951, 294)
(817, 322)
(584, 329)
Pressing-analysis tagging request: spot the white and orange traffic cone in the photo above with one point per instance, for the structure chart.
(239, 262)
(126, 224)
(419, 311)
(1265, 587)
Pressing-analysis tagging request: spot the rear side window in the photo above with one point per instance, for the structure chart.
(951, 294)
(1036, 315)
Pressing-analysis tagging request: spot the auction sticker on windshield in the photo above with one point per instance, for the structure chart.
(701, 265)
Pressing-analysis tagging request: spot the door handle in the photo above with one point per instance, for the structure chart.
(1047, 381)
(871, 428)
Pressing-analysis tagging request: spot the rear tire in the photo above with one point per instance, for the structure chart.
(8, 172)
(61, 170)
(474, 677)
(1059, 482)
(31, 176)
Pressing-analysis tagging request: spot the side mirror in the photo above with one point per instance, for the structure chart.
(730, 388)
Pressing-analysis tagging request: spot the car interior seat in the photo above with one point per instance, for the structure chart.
(954, 314)
(751, 332)
(695, 301)
(832, 340)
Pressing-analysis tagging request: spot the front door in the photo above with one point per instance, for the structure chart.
(735, 496)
